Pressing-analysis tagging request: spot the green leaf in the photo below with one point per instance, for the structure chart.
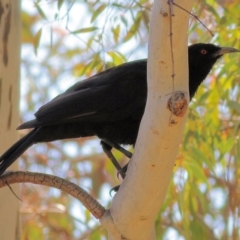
(235, 105)
(145, 17)
(116, 32)
(60, 2)
(196, 171)
(118, 5)
(124, 20)
(36, 40)
(40, 11)
(97, 12)
(117, 57)
(84, 30)
(134, 28)
(225, 146)
(203, 157)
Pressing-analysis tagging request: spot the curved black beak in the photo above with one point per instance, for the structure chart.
(224, 50)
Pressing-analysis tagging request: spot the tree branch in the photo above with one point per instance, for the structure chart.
(142, 193)
(64, 185)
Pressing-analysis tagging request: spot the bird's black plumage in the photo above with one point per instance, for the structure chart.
(109, 105)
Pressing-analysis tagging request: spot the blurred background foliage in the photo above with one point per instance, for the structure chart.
(64, 41)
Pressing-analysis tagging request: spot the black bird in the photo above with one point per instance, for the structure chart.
(109, 105)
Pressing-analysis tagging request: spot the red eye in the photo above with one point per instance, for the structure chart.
(203, 51)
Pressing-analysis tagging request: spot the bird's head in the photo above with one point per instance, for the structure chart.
(201, 58)
(203, 53)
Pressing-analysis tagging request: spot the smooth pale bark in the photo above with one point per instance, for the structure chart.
(143, 191)
(10, 35)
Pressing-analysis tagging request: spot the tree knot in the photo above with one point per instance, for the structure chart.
(178, 104)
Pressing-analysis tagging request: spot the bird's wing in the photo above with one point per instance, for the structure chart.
(109, 96)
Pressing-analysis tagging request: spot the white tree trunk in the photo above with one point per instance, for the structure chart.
(142, 193)
(10, 36)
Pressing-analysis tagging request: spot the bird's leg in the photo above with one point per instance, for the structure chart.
(115, 189)
(107, 149)
(109, 144)
(124, 169)
(119, 148)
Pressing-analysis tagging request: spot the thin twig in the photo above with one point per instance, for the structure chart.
(193, 15)
(13, 191)
(170, 2)
(171, 44)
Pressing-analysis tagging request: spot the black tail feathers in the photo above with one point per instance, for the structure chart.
(17, 149)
